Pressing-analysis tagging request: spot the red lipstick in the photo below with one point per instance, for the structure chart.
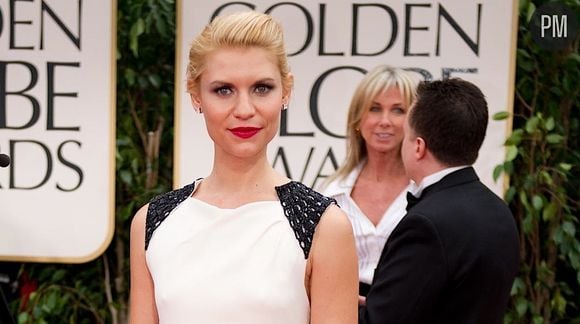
(244, 132)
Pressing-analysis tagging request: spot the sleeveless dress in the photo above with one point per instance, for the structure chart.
(243, 265)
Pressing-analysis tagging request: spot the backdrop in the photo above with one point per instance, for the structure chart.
(331, 45)
(57, 123)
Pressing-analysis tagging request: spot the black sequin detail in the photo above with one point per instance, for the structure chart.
(303, 208)
(161, 206)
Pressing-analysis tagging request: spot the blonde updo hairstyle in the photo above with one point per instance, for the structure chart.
(239, 30)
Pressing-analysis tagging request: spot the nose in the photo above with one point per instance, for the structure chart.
(385, 120)
(244, 107)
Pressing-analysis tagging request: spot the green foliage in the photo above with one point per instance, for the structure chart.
(543, 162)
(97, 292)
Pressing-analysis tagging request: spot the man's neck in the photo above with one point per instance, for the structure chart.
(434, 177)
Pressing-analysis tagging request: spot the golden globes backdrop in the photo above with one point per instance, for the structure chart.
(331, 45)
(57, 123)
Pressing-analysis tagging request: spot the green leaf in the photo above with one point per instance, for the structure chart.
(524, 199)
(523, 53)
(546, 177)
(526, 65)
(549, 125)
(510, 194)
(528, 223)
(530, 13)
(137, 30)
(23, 318)
(537, 202)
(558, 236)
(508, 167)
(512, 152)
(532, 124)
(51, 301)
(558, 303)
(569, 228)
(155, 81)
(549, 212)
(130, 76)
(565, 166)
(517, 286)
(515, 138)
(500, 115)
(126, 177)
(58, 275)
(538, 319)
(521, 306)
(554, 138)
(497, 172)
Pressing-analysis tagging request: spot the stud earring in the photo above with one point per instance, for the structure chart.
(284, 106)
(198, 109)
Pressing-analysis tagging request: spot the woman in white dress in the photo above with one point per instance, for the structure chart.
(371, 185)
(244, 244)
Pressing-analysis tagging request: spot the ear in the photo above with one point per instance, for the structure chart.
(420, 148)
(195, 101)
(288, 92)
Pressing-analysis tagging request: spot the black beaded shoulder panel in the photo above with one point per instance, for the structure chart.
(160, 207)
(303, 207)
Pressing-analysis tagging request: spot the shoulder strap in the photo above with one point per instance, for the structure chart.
(160, 207)
(303, 208)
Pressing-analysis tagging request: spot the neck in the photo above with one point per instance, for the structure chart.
(428, 169)
(231, 173)
(384, 166)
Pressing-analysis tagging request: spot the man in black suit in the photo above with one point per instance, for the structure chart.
(454, 256)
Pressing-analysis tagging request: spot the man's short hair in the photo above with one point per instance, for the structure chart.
(451, 117)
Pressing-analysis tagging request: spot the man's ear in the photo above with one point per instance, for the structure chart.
(420, 148)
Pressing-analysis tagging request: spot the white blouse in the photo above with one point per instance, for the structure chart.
(370, 240)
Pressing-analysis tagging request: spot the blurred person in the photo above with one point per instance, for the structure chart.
(244, 244)
(371, 185)
(454, 256)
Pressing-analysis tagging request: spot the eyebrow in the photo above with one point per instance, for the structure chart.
(221, 83)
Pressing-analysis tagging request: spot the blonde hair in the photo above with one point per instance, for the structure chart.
(238, 30)
(379, 79)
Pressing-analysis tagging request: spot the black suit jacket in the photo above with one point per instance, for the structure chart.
(451, 259)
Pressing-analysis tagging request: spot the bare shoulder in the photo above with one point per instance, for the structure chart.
(333, 234)
(140, 217)
(334, 222)
(138, 226)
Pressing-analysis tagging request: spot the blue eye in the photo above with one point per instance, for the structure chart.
(375, 109)
(262, 89)
(223, 91)
(399, 110)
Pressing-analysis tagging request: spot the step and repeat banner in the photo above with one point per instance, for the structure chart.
(57, 124)
(331, 45)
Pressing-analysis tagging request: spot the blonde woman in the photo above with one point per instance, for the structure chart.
(371, 184)
(244, 244)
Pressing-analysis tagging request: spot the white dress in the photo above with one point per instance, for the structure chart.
(214, 265)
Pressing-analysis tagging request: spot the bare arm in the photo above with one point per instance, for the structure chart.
(334, 273)
(142, 309)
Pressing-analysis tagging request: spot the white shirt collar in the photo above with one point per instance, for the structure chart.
(417, 190)
(345, 185)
